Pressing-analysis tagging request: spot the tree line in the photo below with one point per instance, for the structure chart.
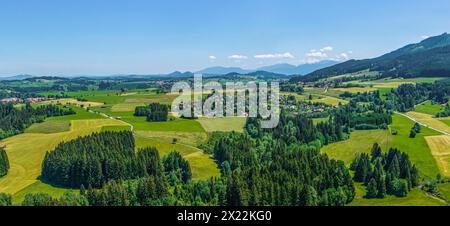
(95, 159)
(391, 173)
(4, 162)
(154, 112)
(15, 120)
(407, 96)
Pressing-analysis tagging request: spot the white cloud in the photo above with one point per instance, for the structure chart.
(425, 36)
(286, 55)
(327, 49)
(343, 56)
(238, 57)
(317, 54)
(212, 57)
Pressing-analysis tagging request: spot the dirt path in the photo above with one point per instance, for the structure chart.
(110, 117)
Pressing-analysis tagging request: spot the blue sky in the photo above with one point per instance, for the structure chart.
(100, 37)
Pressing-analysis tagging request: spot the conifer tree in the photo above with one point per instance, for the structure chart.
(372, 189)
(376, 151)
(4, 163)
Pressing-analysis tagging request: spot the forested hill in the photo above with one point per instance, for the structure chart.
(429, 58)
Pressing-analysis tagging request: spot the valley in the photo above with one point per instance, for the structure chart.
(353, 138)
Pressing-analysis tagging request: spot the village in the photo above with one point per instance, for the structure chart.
(24, 100)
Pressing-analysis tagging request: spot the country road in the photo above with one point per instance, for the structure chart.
(422, 124)
(111, 117)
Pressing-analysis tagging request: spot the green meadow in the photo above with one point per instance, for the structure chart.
(362, 141)
(429, 108)
(359, 142)
(49, 127)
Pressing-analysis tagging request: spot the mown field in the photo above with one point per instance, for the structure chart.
(72, 101)
(49, 127)
(429, 120)
(440, 149)
(227, 124)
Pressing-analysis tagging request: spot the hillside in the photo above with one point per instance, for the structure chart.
(429, 58)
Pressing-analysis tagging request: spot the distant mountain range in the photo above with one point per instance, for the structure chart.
(430, 57)
(280, 70)
(16, 77)
(218, 70)
(285, 69)
(302, 69)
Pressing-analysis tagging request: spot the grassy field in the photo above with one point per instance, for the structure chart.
(356, 89)
(49, 127)
(115, 128)
(227, 124)
(81, 114)
(187, 138)
(26, 152)
(359, 142)
(429, 120)
(429, 108)
(319, 96)
(355, 75)
(416, 197)
(444, 191)
(39, 187)
(151, 98)
(417, 148)
(321, 91)
(125, 107)
(329, 100)
(440, 148)
(202, 165)
(393, 83)
(446, 121)
(71, 101)
(178, 125)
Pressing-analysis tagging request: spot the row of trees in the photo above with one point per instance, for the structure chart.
(155, 112)
(391, 173)
(93, 160)
(4, 163)
(15, 120)
(148, 191)
(414, 130)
